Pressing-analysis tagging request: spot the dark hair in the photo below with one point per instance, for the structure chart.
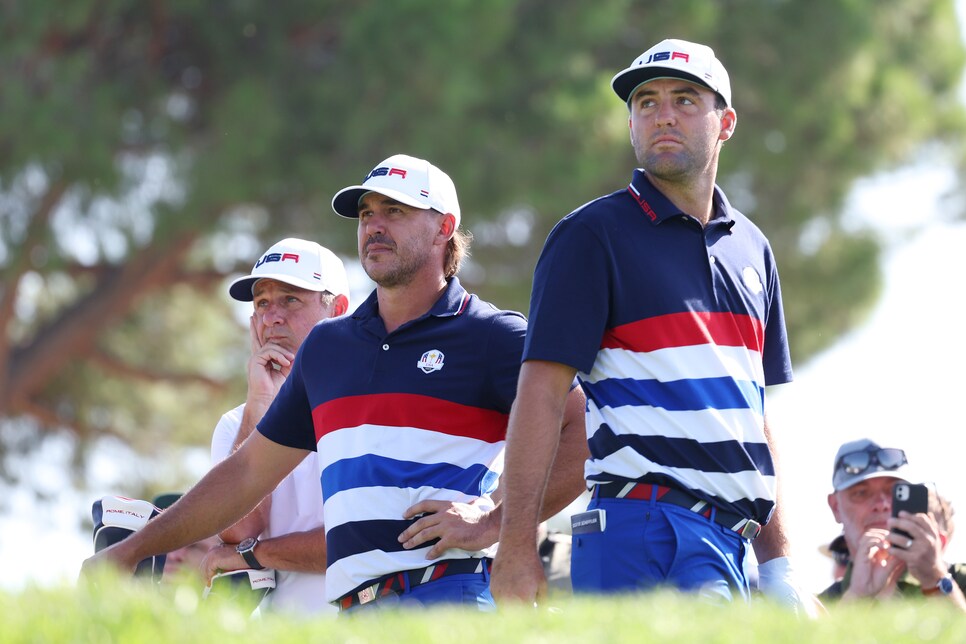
(839, 550)
(457, 248)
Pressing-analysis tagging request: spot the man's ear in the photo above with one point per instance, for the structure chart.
(833, 503)
(729, 121)
(447, 227)
(340, 305)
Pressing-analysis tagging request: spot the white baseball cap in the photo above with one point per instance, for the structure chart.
(298, 262)
(675, 59)
(414, 182)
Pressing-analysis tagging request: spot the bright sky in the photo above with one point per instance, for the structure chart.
(898, 379)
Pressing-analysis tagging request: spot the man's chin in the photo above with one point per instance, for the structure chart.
(282, 343)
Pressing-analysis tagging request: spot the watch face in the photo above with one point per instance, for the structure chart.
(247, 550)
(247, 544)
(946, 585)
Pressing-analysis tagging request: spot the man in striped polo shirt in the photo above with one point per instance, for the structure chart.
(678, 330)
(406, 401)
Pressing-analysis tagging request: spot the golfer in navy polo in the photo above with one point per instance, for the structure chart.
(406, 400)
(678, 330)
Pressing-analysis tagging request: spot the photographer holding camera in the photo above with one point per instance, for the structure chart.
(890, 556)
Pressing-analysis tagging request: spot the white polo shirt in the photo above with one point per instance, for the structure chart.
(296, 507)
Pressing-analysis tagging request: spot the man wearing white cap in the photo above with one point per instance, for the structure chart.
(883, 562)
(414, 430)
(406, 402)
(679, 330)
(293, 285)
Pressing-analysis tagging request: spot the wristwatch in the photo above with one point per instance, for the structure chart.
(945, 586)
(247, 550)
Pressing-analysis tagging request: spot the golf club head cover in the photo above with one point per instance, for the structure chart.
(116, 517)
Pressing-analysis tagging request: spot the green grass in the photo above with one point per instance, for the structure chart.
(129, 612)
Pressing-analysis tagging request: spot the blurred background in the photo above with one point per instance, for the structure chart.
(150, 151)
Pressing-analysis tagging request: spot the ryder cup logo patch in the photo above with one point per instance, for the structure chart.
(751, 279)
(431, 361)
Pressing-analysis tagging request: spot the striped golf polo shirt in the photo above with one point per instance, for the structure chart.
(398, 418)
(675, 330)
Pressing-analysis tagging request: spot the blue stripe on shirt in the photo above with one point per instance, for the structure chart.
(379, 471)
(679, 395)
(357, 537)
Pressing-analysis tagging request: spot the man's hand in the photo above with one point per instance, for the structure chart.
(268, 366)
(456, 525)
(112, 558)
(923, 557)
(875, 572)
(518, 575)
(221, 558)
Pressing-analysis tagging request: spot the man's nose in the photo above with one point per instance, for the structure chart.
(374, 223)
(884, 499)
(664, 115)
(272, 315)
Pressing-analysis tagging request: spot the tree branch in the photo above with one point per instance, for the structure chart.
(55, 346)
(45, 416)
(36, 231)
(120, 368)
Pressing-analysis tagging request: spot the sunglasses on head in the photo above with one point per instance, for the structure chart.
(889, 458)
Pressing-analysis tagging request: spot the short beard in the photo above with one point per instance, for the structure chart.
(671, 171)
(400, 275)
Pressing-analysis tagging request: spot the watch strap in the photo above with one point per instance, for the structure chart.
(248, 554)
(943, 587)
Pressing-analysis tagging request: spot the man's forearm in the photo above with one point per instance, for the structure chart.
(214, 503)
(255, 409)
(296, 551)
(221, 498)
(957, 598)
(773, 540)
(566, 480)
(255, 522)
(532, 442)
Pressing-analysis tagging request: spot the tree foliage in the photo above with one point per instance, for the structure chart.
(149, 149)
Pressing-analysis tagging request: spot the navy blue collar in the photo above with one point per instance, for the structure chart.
(452, 302)
(658, 208)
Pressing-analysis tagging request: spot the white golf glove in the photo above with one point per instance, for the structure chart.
(776, 579)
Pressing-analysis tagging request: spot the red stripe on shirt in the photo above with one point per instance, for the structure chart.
(687, 329)
(410, 410)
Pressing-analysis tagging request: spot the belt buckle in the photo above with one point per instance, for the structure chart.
(368, 594)
(750, 530)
